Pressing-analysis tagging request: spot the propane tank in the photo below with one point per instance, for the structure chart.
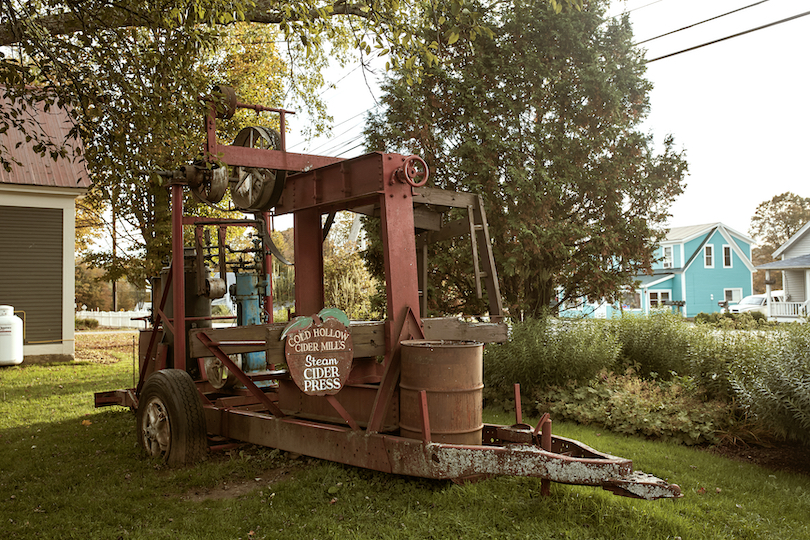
(11, 337)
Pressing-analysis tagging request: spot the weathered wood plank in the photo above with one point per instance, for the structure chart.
(368, 337)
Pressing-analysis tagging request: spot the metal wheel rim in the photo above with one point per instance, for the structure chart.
(256, 188)
(218, 375)
(212, 189)
(156, 428)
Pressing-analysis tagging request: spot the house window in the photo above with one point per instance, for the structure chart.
(726, 256)
(732, 296)
(657, 298)
(667, 256)
(708, 256)
(631, 300)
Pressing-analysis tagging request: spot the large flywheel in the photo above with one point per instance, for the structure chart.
(257, 189)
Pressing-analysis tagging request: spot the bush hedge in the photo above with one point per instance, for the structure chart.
(85, 324)
(543, 352)
(659, 376)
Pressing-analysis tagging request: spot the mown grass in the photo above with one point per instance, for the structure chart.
(72, 471)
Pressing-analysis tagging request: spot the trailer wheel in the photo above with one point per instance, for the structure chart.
(171, 420)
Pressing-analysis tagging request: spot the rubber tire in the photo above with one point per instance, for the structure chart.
(173, 393)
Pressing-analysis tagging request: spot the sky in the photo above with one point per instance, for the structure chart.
(739, 108)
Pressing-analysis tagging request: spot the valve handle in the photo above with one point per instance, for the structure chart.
(412, 173)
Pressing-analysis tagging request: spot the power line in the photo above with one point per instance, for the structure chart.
(701, 22)
(731, 36)
(300, 143)
(636, 9)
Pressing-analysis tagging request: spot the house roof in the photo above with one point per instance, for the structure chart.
(33, 169)
(801, 262)
(649, 281)
(684, 234)
(726, 233)
(792, 240)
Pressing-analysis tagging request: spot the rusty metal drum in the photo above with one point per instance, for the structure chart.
(451, 373)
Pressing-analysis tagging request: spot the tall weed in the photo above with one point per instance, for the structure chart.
(712, 354)
(544, 352)
(656, 345)
(775, 388)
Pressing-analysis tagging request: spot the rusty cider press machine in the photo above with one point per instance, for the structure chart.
(410, 401)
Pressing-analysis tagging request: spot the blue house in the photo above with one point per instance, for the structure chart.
(699, 266)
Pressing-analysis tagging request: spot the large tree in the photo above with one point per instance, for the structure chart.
(773, 223)
(131, 73)
(542, 119)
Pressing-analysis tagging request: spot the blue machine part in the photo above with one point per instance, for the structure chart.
(248, 295)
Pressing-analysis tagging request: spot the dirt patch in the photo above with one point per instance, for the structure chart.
(791, 458)
(237, 488)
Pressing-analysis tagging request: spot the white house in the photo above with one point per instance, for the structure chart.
(37, 235)
(794, 262)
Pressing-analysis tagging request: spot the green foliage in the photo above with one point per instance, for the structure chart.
(543, 352)
(542, 119)
(713, 354)
(775, 387)
(778, 219)
(748, 320)
(85, 324)
(64, 462)
(348, 285)
(654, 345)
(666, 410)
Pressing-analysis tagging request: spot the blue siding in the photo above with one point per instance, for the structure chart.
(705, 286)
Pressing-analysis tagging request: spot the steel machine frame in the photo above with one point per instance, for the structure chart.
(199, 389)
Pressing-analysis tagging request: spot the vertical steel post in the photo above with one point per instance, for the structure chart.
(178, 279)
(268, 271)
(399, 251)
(308, 240)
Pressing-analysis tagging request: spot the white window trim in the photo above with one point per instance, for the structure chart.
(658, 293)
(708, 249)
(667, 262)
(738, 289)
(730, 256)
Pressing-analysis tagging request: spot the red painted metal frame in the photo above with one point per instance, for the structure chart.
(253, 415)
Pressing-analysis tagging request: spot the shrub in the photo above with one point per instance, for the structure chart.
(711, 356)
(656, 345)
(85, 324)
(775, 388)
(544, 352)
(668, 410)
(749, 320)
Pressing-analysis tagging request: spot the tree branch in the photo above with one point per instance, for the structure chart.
(67, 23)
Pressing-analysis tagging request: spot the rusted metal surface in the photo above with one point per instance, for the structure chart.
(451, 374)
(412, 415)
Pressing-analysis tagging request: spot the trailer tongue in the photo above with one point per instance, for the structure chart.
(400, 396)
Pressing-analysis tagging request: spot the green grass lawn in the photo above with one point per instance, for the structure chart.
(72, 471)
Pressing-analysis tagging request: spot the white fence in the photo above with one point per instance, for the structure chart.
(115, 319)
(788, 309)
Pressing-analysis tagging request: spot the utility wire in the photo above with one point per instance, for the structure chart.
(729, 37)
(300, 143)
(701, 22)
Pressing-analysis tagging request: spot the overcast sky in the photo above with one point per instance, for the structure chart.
(740, 108)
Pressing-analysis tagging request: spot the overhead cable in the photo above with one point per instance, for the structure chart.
(729, 37)
(701, 22)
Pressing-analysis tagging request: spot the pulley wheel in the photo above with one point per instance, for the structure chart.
(228, 106)
(210, 185)
(220, 376)
(257, 189)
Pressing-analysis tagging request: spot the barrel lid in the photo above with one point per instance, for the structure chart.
(6, 311)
